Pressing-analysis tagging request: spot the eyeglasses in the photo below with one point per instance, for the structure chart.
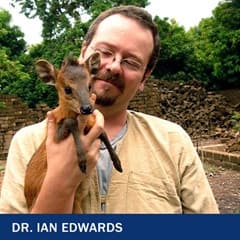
(108, 55)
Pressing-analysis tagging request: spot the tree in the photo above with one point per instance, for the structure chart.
(17, 74)
(176, 54)
(58, 16)
(217, 46)
(13, 78)
(208, 52)
(63, 33)
(11, 37)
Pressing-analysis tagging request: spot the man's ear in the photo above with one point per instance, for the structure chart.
(145, 78)
(46, 71)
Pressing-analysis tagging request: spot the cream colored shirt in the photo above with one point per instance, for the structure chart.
(162, 172)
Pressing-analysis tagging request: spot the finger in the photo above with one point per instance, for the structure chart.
(93, 98)
(93, 155)
(97, 128)
(50, 126)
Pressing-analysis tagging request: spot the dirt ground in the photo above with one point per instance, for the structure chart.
(225, 184)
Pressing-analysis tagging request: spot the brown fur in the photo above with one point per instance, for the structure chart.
(72, 82)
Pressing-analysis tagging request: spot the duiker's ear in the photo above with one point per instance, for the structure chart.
(93, 63)
(46, 71)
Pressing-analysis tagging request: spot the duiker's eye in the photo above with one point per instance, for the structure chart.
(68, 90)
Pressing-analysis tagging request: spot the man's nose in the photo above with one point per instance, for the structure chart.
(115, 65)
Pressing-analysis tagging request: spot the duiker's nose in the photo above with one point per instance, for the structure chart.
(86, 109)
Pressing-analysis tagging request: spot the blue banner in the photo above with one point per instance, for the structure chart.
(118, 226)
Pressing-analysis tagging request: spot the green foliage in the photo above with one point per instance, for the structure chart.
(55, 50)
(9, 72)
(176, 55)
(227, 14)
(58, 16)
(2, 168)
(217, 47)
(236, 121)
(13, 79)
(17, 74)
(63, 33)
(11, 38)
(96, 7)
(209, 52)
(2, 104)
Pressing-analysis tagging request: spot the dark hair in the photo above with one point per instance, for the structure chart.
(136, 13)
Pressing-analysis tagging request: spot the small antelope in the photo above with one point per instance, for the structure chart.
(73, 84)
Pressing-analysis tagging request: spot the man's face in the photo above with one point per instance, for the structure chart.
(125, 48)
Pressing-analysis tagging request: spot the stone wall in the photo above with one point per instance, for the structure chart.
(14, 114)
(148, 100)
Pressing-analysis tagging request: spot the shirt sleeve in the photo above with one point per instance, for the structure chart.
(196, 193)
(24, 143)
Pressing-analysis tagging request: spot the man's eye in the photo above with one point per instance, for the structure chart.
(132, 64)
(106, 53)
(68, 90)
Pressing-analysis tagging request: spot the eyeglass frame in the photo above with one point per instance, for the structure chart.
(132, 66)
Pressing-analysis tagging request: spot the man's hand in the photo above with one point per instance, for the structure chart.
(63, 175)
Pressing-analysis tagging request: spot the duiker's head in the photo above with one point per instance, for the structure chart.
(72, 81)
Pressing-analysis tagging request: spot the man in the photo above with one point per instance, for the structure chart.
(162, 172)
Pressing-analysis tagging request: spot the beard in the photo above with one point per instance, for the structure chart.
(104, 97)
(105, 101)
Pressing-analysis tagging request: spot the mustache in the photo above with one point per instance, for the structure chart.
(111, 78)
